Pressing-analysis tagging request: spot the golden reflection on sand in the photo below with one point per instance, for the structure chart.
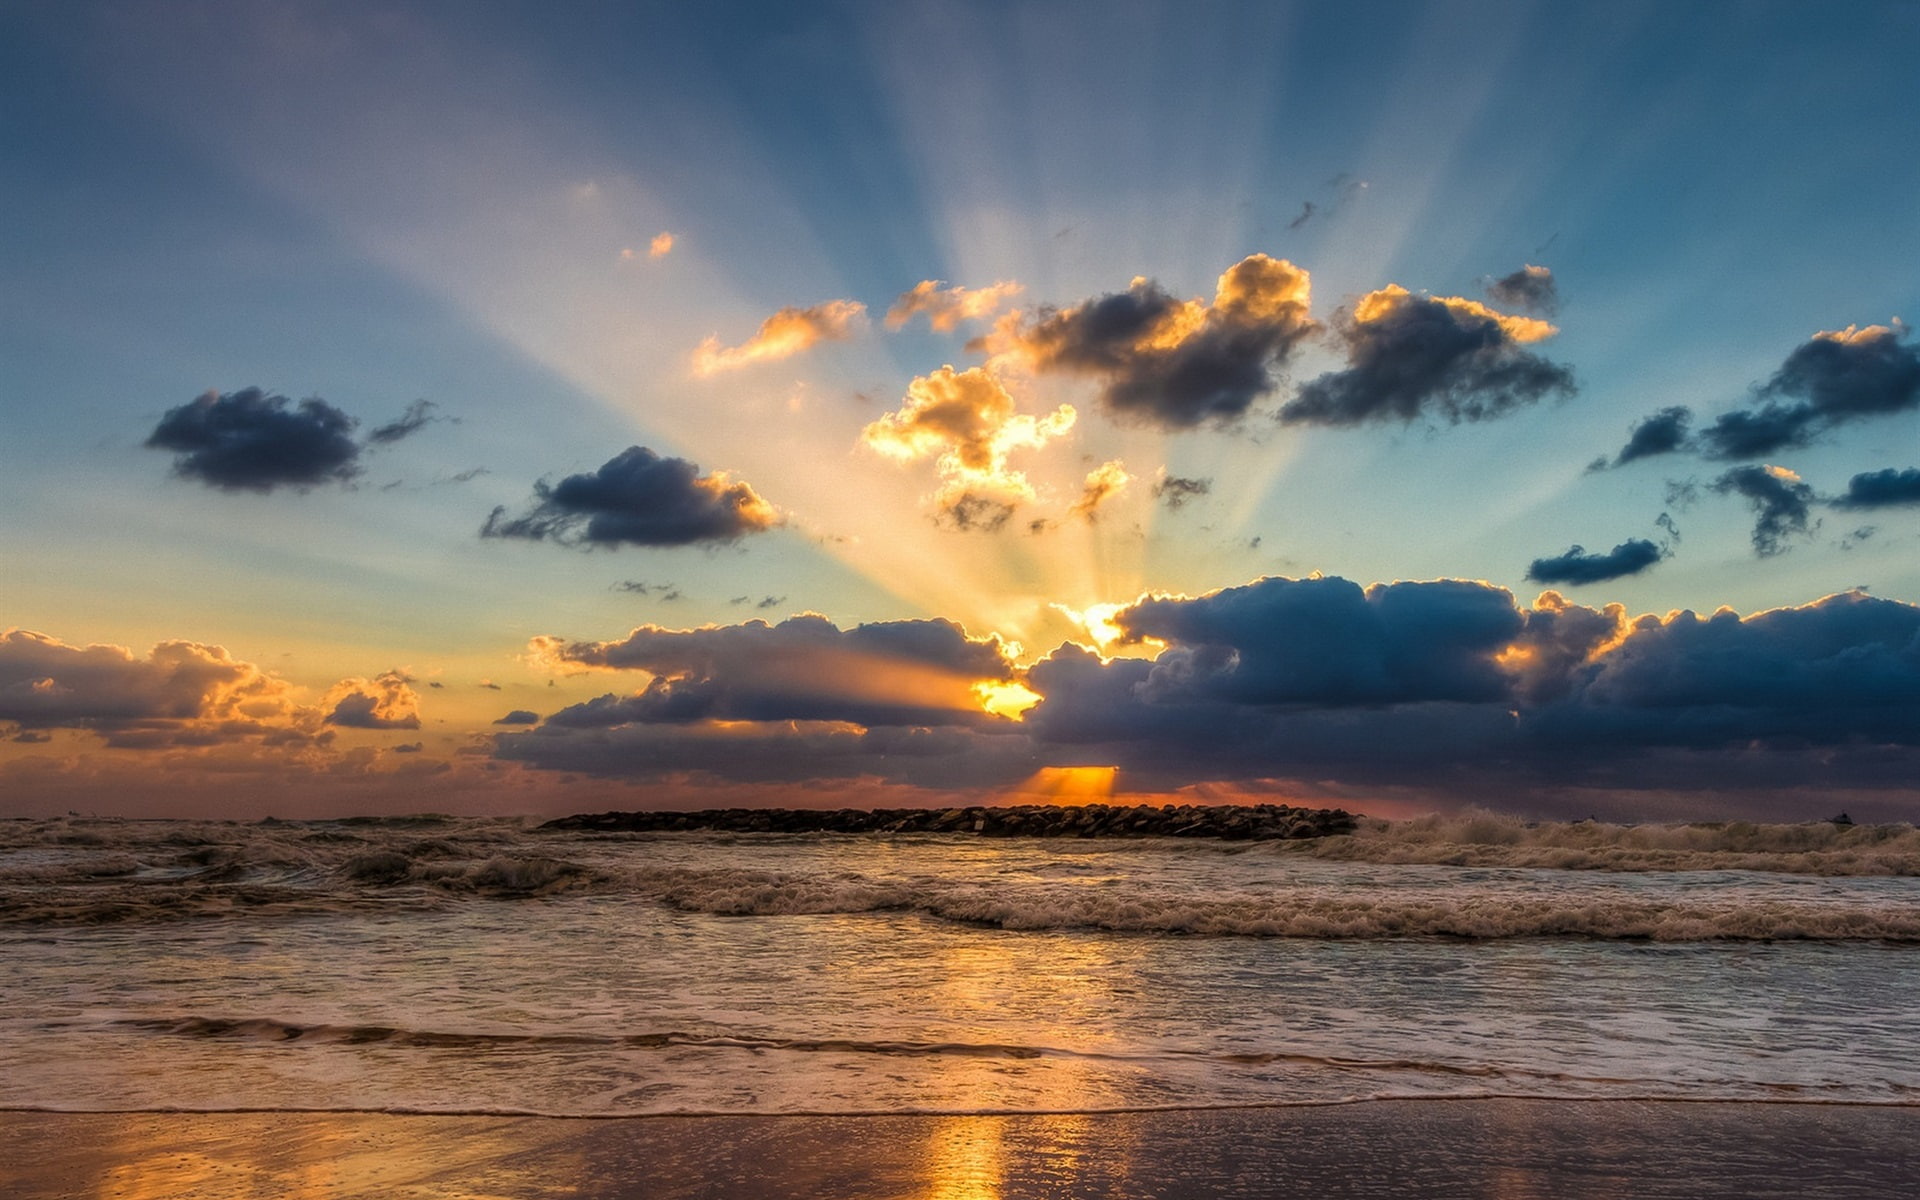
(252, 1156)
(966, 1159)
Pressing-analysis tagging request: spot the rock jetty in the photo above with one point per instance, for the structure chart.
(1234, 822)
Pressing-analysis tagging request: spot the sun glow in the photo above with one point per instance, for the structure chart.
(1067, 785)
(1097, 621)
(1006, 699)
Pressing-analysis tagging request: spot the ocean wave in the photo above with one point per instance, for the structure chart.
(263, 1029)
(1294, 913)
(1489, 840)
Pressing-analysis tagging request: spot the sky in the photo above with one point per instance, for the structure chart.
(492, 407)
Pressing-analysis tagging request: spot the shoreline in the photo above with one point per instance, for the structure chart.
(1390, 1148)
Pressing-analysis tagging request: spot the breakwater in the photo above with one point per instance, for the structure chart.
(1234, 822)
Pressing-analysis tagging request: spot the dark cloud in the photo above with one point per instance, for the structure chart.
(1833, 379)
(638, 498)
(1415, 357)
(803, 669)
(1844, 669)
(418, 416)
(641, 588)
(1172, 363)
(519, 716)
(1174, 491)
(1530, 289)
(1328, 642)
(252, 441)
(1497, 696)
(1576, 566)
(1447, 689)
(970, 512)
(1341, 190)
(1882, 489)
(1663, 432)
(1782, 505)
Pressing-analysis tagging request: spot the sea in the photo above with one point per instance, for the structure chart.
(488, 966)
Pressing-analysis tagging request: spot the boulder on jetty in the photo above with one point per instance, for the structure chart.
(1235, 822)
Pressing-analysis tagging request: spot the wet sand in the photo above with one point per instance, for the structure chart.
(1428, 1149)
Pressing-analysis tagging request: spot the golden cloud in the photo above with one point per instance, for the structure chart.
(786, 333)
(966, 422)
(1104, 482)
(1380, 306)
(945, 308)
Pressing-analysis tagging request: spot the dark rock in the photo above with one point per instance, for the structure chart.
(1233, 821)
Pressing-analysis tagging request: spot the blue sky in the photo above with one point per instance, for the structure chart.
(374, 205)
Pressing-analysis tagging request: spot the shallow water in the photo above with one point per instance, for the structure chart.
(477, 966)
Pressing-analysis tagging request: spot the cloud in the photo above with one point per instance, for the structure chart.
(661, 245)
(1451, 688)
(1327, 641)
(383, 702)
(1835, 378)
(786, 333)
(1845, 669)
(519, 716)
(1576, 566)
(181, 693)
(1103, 483)
(1174, 491)
(1343, 188)
(940, 759)
(1169, 363)
(639, 498)
(1418, 357)
(803, 669)
(1663, 432)
(946, 308)
(1782, 504)
(419, 414)
(252, 441)
(1882, 489)
(965, 421)
(1530, 289)
(969, 512)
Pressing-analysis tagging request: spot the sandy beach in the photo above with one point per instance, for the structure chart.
(1430, 1149)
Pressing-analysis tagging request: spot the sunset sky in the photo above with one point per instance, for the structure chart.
(499, 407)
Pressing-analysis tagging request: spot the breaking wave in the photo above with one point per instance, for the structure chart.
(1481, 839)
(1666, 883)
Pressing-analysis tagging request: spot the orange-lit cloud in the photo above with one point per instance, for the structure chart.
(1167, 362)
(1378, 307)
(803, 669)
(966, 422)
(180, 693)
(1104, 482)
(945, 308)
(386, 701)
(786, 333)
(661, 245)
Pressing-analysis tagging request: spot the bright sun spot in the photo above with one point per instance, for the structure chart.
(1005, 699)
(1097, 621)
